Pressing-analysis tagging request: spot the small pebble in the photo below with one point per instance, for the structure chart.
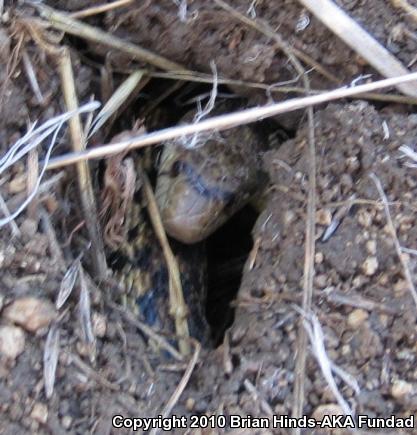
(401, 389)
(66, 421)
(31, 313)
(319, 257)
(99, 325)
(12, 341)
(327, 409)
(323, 217)
(39, 412)
(357, 317)
(370, 266)
(365, 219)
(371, 247)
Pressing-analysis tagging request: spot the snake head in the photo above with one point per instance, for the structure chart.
(199, 189)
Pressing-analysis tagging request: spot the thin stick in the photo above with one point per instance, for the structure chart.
(359, 40)
(178, 307)
(100, 9)
(84, 178)
(147, 330)
(65, 23)
(394, 98)
(401, 256)
(225, 122)
(182, 384)
(270, 33)
(406, 7)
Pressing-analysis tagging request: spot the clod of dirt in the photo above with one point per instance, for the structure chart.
(12, 341)
(31, 313)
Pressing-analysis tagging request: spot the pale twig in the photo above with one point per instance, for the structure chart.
(178, 307)
(83, 171)
(182, 384)
(406, 7)
(393, 98)
(100, 9)
(65, 23)
(148, 331)
(401, 256)
(359, 40)
(224, 122)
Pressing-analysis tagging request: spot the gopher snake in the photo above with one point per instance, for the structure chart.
(197, 190)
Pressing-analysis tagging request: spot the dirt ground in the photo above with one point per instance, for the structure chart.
(362, 303)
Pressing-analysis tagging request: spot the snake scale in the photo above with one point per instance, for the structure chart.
(197, 190)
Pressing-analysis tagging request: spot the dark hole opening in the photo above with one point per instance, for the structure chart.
(227, 251)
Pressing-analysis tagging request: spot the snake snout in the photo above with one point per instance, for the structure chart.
(187, 215)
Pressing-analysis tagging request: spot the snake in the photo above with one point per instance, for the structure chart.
(201, 182)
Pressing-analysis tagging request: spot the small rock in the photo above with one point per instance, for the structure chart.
(66, 421)
(327, 409)
(370, 266)
(189, 404)
(31, 313)
(29, 228)
(401, 389)
(371, 247)
(319, 257)
(99, 325)
(17, 184)
(357, 317)
(12, 341)
(39, 412)
(323, 217)
(365, 219)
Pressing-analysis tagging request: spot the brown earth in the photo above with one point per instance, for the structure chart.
(361, 298)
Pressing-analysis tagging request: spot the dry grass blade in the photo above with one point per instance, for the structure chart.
(50, 359)
(225, 122)
(100, 9)
(401, 256)
(116, 101)
(85, 184)
(359, 40)
(33, 138)
(85, 315)
(65, 23)
(67, 283)
(31, 75)
(315, 333)
(178, 307)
